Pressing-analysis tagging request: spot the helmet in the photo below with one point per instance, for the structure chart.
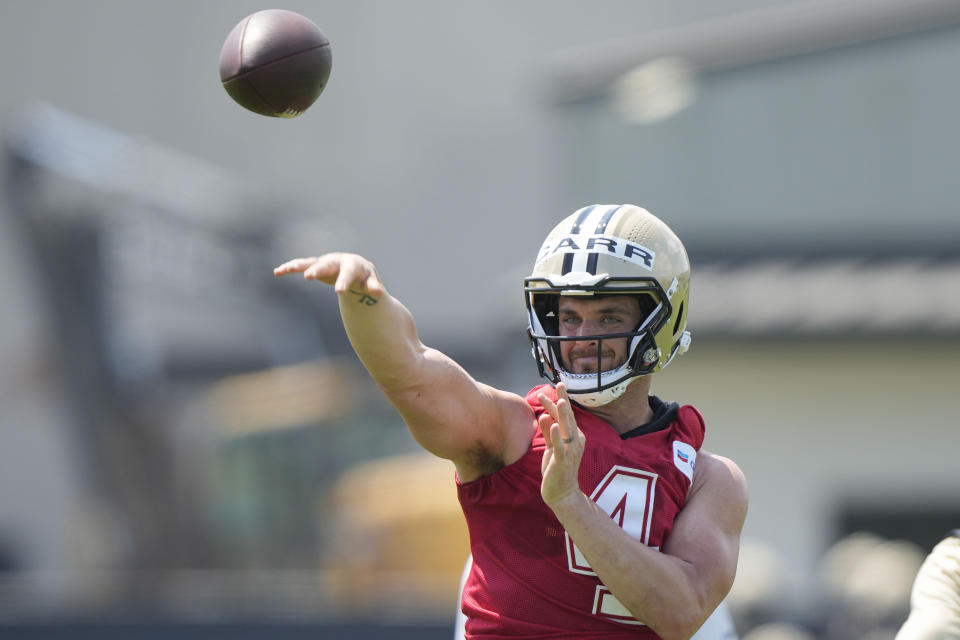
(610, 250)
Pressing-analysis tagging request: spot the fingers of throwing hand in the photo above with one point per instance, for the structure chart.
(294, 266)
(346, 277)
(346, 272)
(324, 268)
(374, 286)
(353, 277)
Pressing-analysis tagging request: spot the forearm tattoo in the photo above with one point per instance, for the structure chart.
(365, 298)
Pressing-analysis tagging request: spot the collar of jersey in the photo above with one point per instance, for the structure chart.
(663, 414)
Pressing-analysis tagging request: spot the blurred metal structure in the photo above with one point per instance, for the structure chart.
(157, 282)
(745, 39)
(902, 296)
(805, 153)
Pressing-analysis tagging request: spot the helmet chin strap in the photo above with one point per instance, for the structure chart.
(600, 398)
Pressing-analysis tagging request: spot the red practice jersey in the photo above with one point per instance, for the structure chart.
(528, 579)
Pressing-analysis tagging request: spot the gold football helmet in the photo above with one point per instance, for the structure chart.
(610, 250)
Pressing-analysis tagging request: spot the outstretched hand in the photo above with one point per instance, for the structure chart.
(346, 272)
(564, 448)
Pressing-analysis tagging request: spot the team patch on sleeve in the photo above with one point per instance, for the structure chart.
(684, 457)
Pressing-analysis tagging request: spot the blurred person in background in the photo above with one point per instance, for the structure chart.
(935, 599)
(592, 509)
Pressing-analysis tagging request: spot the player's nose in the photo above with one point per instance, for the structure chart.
(588, 328)
(588, 335)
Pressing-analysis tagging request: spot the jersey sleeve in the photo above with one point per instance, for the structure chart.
(691, 426)
(547, 390)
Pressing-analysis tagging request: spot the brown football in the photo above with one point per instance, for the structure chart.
(275, 63)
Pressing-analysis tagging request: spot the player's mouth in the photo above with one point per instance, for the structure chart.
(586, 362)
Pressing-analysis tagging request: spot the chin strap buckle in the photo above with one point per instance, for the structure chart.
(651, 355)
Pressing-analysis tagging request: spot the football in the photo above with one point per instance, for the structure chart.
(275, 63)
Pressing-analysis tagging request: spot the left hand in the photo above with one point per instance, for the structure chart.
(564, 449)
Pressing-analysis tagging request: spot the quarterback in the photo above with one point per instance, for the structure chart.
(593, 510)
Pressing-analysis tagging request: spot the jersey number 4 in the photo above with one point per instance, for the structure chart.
(627, 495)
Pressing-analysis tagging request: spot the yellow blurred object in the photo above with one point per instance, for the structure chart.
(283, 397)
(399, 538)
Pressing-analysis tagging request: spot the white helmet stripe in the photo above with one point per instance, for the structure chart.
(602, 225)
(592, 263)
(581, 217)
(599, 218)
(592, 220)
(579, 262)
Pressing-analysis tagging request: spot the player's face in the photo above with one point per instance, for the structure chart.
(588, 316)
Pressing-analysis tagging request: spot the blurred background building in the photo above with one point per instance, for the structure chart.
(187, 441)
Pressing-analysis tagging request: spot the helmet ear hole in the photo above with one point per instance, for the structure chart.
(679, 322)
